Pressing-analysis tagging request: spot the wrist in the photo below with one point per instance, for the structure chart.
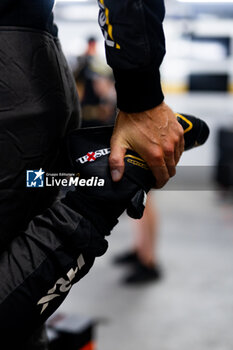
(138, 91)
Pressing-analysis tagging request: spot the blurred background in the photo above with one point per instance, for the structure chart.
(189, 305)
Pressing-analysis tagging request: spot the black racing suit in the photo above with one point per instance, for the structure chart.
(135, 47)
(46, 246)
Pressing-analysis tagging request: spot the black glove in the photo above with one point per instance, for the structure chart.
(101, 200)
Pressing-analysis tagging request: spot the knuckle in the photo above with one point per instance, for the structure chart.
(156, 159)
(179, 127)
(176, 139)
(114, 160)
(169, 150)
(181, 133)
(157, 155)
(179, 130)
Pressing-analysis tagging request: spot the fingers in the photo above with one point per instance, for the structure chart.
(155, 135)
(163, 159)
(170, 158)
(161, 175)
(116, 160)
(173, 150)
(162, 164)
(155, 160)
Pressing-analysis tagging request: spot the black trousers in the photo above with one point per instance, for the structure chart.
(45, 245)
(38, 108)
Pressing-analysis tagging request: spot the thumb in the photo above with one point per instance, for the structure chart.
(116, 160)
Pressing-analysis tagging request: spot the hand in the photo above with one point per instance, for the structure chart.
(155, 135)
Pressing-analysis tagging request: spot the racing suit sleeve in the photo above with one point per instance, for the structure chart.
(135, 47)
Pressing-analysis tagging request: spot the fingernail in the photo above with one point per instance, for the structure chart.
(116, 175)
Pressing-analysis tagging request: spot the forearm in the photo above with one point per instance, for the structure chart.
(135, 48)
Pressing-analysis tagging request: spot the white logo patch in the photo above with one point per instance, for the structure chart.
(62, 285)
(91, 156)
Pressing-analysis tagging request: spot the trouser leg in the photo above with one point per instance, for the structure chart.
(40, 267)
(39, 108)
